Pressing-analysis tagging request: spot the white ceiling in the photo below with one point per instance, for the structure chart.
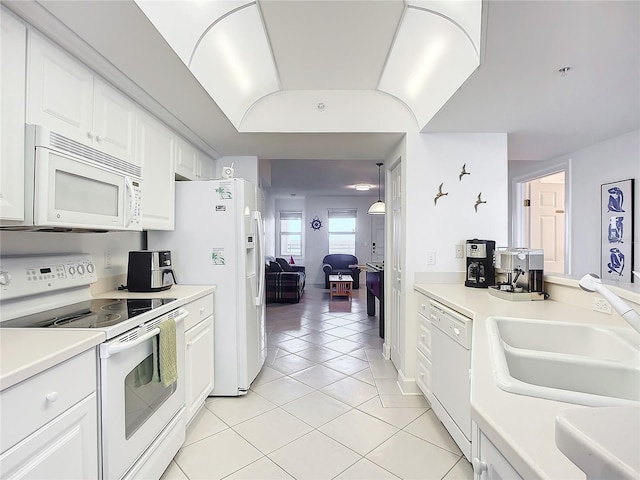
(517, 88)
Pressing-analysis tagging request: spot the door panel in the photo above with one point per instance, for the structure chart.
(547, 230)
(396, 266)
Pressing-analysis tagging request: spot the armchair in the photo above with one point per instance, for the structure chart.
(336, 263)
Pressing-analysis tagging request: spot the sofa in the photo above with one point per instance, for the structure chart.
(284, 283)
(337, 263)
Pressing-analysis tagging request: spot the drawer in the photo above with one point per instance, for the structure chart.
(424, 336)
(423, 374)
(422, 304)
(31, 404)
(198, 310)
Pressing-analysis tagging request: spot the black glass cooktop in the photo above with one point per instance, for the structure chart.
(98, 313)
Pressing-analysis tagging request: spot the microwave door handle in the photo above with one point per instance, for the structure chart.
(109, 349)
(129, 205)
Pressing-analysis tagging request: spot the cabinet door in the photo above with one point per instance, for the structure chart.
(156, 153)
(59, 92)
(186, 160)
(114, 122)
(12, 116)
(207, 168)
(198, 365)
(66, 447)
(491, 465)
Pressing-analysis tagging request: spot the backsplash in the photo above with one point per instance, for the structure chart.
(109, 250)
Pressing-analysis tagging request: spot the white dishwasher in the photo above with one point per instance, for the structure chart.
(450, 375)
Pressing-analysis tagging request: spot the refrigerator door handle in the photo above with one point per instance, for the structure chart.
(260, 266)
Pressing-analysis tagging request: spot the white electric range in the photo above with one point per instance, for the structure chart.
(141, 420)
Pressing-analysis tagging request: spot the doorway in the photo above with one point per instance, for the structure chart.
(544, 217)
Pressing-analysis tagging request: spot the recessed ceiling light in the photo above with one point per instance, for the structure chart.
(362, 187)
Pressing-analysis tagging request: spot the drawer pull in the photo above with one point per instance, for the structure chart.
(422, 337)
(479, 467)
(52, 397)
(202, 309)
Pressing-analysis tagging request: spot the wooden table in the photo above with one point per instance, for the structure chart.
(340, 286)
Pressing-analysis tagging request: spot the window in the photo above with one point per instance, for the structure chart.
(342, 231)
(291, 233)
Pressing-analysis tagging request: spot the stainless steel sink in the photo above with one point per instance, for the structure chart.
(570, 362)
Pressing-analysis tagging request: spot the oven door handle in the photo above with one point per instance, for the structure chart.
(109, 349)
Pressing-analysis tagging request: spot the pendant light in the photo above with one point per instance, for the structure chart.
(377, 208)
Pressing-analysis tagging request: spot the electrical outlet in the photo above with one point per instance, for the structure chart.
(107, 260)
(431, 257)
(459, 251)
(601, 305)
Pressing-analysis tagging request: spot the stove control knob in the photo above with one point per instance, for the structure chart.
(72, 270)
(5, 278)
(90, 267)
(81, 269)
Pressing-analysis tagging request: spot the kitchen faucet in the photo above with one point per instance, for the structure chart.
(592, 283)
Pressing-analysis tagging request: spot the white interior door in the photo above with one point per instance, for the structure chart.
(377, 238)
(394, 279)
(547, 219)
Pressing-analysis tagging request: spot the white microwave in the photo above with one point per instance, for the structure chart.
(69, 185)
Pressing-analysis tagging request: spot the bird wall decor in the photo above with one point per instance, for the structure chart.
(479, 201)
(439, 194)
(463, 172)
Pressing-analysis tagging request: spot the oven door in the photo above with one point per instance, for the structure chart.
(135, 410)
(74, 194)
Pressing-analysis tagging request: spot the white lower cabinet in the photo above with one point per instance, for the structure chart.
(50, 423)
(423, 351)
(199, 341)
(487, 461)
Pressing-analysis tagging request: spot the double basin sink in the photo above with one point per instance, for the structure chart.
(570, 362)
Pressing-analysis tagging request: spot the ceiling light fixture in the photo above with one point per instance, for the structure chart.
(362, 187)
(377, 208)
(320, 107)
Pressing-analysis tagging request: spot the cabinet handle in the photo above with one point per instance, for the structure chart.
(202, 309)
(479, 467)
(52, 397)
(90, 134)
(422, 337)
(99, 138)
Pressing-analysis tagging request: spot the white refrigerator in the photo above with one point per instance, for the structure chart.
(218, 240)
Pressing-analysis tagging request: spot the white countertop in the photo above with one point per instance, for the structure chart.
(25, 352)
(521, 427)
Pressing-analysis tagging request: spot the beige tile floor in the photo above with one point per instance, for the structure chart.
(326, 405)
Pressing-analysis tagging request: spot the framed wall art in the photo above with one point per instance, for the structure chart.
(616, 259)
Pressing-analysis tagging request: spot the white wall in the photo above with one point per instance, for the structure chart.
(615, 159)
(118, 244)
(431, 159)
(317, 241)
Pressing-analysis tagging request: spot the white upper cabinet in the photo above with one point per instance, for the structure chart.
(67, 98)
(114, 122)
(12, 115)
(156, 150)
(187, 159)
(191, 163)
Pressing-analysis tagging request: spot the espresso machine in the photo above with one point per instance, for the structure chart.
(519, 273)
(480, 272)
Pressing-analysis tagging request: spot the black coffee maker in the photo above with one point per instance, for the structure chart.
(480, 271)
